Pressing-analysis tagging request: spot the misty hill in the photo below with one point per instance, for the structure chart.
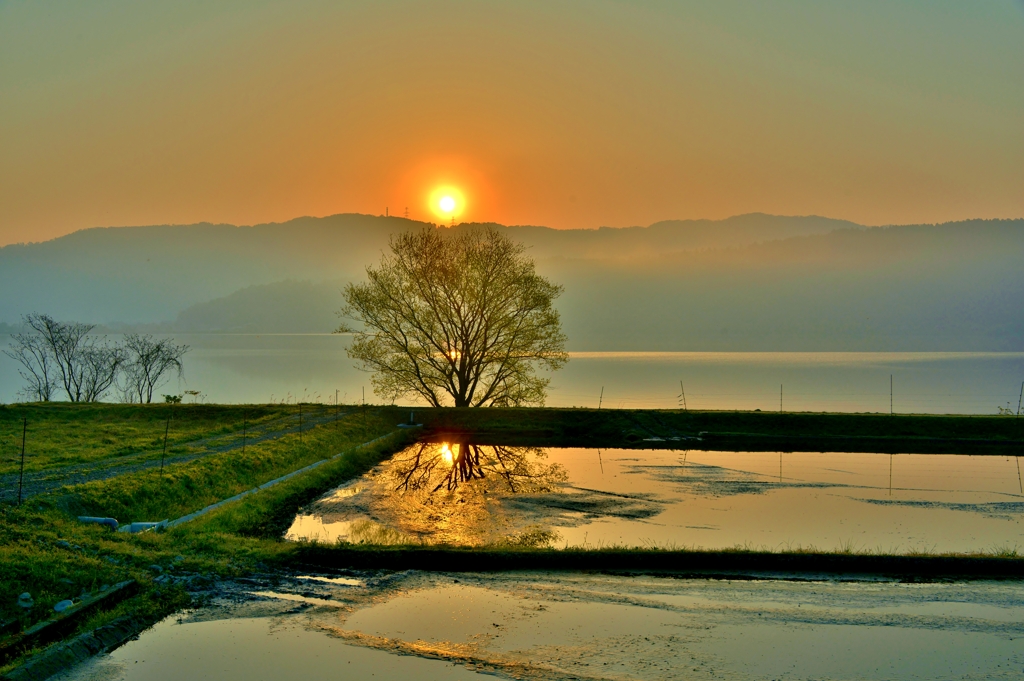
(753, 282)
(669, 236)
(149, 274)
(281, 307)
(939, 288)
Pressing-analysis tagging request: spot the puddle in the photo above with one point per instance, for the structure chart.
(583, 626)
(247, 649)
(342, 581)
(477, 495)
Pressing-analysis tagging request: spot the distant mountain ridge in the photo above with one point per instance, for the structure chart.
(751, 282)
(149, 274)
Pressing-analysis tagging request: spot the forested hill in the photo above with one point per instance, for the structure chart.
(752, 282)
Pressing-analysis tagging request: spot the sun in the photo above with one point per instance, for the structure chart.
(447, 203)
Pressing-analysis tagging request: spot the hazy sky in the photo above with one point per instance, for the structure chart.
(567, 114)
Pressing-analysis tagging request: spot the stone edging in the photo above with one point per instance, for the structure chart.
(79, 649)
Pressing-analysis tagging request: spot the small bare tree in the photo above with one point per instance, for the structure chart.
(456, 317)
(63, 354)
(38, 368)
(146, 365)
(67, 342)
(100, 363)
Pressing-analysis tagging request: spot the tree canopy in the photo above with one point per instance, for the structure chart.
(456, 317)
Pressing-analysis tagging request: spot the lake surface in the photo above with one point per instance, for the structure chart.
(263, 368)
(423, 626)
(446, 493)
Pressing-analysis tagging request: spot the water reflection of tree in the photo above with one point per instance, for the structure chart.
(452, 494)
(429, 466)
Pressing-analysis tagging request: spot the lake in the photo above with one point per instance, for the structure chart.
(263, 368)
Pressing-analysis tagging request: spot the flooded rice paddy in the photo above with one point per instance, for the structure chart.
(425, 626)
(462, 494)
(420, 626)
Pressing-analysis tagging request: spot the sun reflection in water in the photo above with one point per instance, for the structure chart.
(442, 493)
(446, 453)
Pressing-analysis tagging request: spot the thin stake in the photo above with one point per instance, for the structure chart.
(163, 454)
(21, 477)
(600, 461)
(682, 391)
(1019, 399)
(243, 431)
(1019, 483)
(780, 398)
(601, 398)
(890, 394)
(890, 475)
(780, 467)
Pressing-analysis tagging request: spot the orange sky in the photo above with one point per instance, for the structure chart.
(567, 114)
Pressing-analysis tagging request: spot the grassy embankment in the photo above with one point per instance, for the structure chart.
(734, 430)
(44, 550)
(65, 434)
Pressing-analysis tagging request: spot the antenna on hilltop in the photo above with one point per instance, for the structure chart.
(407, 212)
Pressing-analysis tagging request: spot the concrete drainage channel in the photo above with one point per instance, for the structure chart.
(161, 524)
(266, 485)
(113, 634)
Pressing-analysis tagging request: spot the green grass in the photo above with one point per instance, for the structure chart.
(44, 550)
(269, 514)
(183, 488)
(54, 557)
(64, 434)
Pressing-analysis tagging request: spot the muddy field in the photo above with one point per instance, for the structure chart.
(420, 626)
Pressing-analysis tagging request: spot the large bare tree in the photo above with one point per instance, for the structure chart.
(456, 317)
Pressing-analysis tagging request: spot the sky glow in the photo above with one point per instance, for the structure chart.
(571, 115)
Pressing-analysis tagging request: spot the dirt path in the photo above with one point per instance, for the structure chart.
(41, 482)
